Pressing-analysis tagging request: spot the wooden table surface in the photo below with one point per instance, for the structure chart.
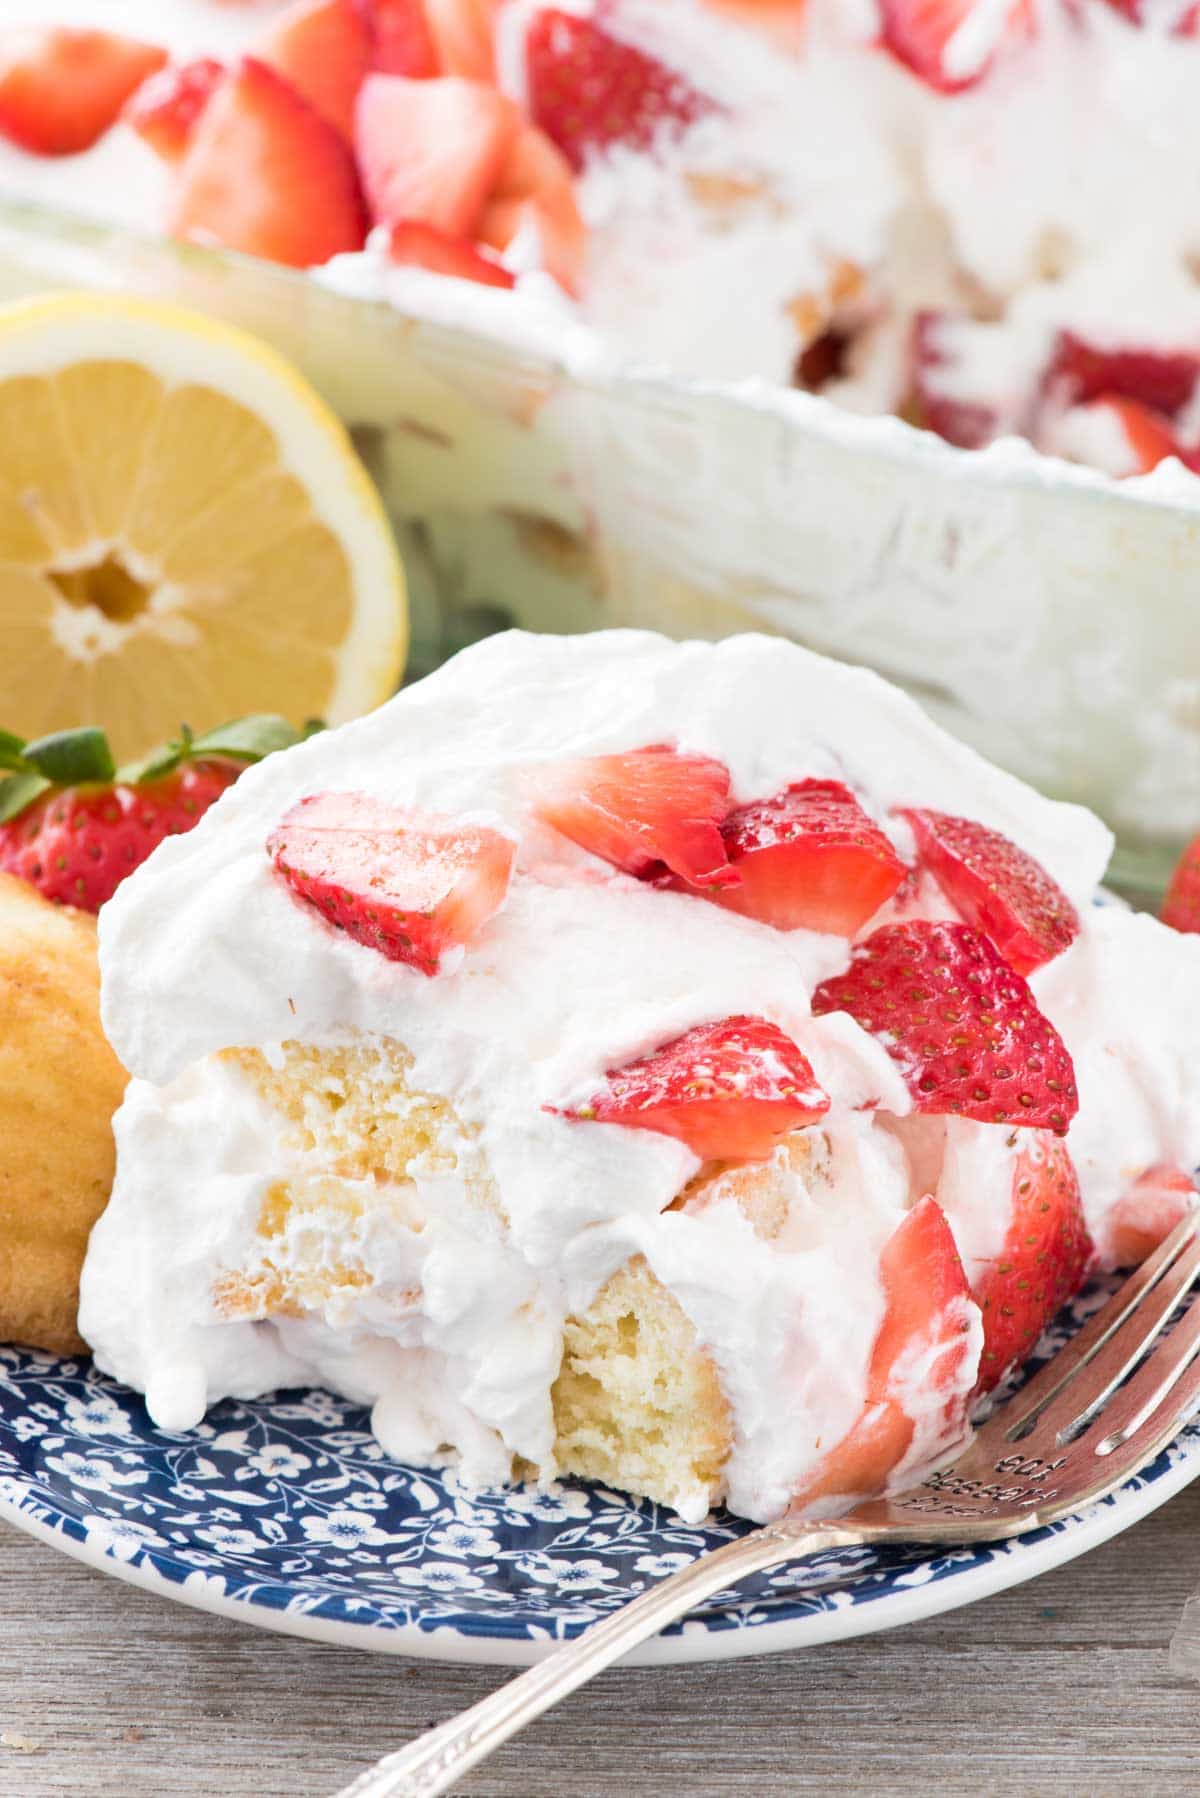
(1061, 1686)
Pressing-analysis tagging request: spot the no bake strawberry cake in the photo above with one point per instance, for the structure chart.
(979, 214)
(680, 1065)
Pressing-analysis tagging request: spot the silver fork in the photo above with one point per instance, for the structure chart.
(1101, 1409)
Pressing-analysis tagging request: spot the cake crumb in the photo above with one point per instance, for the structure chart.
(133, 1734)
(12, 1738)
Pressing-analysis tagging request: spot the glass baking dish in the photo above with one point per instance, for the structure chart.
(1045, 614)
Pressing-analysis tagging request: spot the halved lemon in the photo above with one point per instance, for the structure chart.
(186, 533)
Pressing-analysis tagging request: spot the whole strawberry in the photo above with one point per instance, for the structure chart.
(74, 825)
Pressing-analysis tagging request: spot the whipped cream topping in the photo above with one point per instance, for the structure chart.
(583, 969)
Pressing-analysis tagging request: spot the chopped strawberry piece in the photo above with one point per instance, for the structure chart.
(403, 41)
(1145, 438)
(409, 886)
(61, 89)
(266, 175)
(961, 1024)
(588, 90)
(997, 887)
(1162, 380)
(324, 48)
(924, 1346)
(1148, 1212)
(1181, 907)
(923, 34)
(165, 108)
(1043, 1262)
(1181, 20)
(411, 244)
(809, 859)
(728, 1090)
(535, 186)
(463, 34)
(968, 424)
(431, 150)
(642, 810)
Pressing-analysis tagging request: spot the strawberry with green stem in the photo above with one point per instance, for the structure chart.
(74, 825)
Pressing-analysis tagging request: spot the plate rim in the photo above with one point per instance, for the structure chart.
(1025, 1559)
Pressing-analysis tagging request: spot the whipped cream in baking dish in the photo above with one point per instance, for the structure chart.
(991, 229)
(453, 1332)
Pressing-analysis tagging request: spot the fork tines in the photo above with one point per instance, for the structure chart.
(1108, 1368)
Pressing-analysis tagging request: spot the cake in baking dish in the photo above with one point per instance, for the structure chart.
(678, 1065)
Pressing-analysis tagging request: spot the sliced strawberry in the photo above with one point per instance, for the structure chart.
(961, 1024)
(1147, 435)
(809, 859)
(431, 150)
(411, 244)
(1043, 1262)
(267, 175)
(409, 886)
(728, 1090)
(968, 424)
(324, 48)
(1181, 907)
(463, 33)
(923, 1348)
(403, 41)
(535, 186)
(997, 887)
(922, 33)
(61, 89)
(164, 110)
(588, 90)
(1162, 380)
(642, 810)
(1158, 1199)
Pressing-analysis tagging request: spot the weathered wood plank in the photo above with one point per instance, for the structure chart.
(1060, 1686)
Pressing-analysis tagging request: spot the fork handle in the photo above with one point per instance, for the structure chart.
(436, 1760)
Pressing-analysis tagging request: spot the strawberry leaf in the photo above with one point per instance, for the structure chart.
(68, 757)
(247, 739)
(12, 750)
(20, 790)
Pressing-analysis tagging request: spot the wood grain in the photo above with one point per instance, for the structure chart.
(1059, 1686)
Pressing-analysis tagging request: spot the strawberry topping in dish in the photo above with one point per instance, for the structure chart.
(728, 1090)
(61, 90)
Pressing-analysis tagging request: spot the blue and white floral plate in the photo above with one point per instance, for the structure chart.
(286, 1513)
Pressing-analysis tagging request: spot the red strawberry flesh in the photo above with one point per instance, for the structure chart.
(1162, 380)
(588, 90)
(810, 858)
(960, 1023)
(642, 810)
(164, 110)
(1042, 1263)
(409, 886)
(324, 48)
(413, 244)
(266, 175)
(998, 888)
(1157, 1200)
(926, 1323)
(1181, 907)
(729, 1090)
(61, 89)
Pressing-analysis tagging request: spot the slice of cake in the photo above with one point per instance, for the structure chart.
(679, 1065)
